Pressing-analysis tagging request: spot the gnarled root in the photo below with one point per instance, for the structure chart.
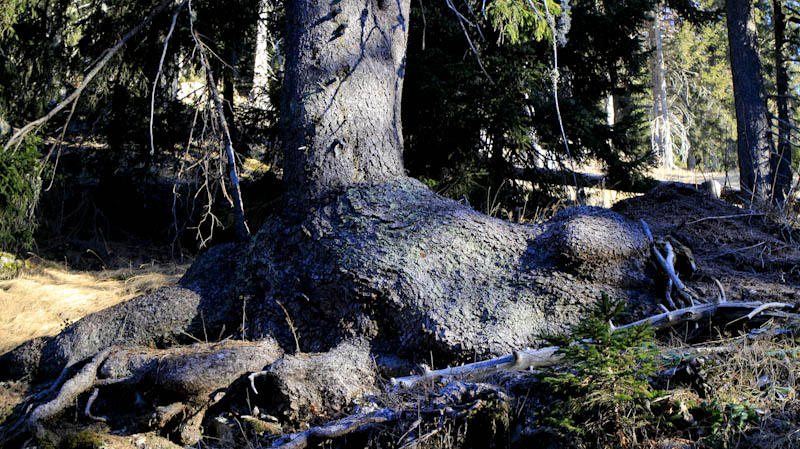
(199, 373)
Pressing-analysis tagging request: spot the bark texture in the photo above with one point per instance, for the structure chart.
(341, 95)
(303, 388)
(416, 273)
(752, 121)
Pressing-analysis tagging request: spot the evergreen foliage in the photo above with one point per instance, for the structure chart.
(488, 124)
(603, 398)
(20, 186)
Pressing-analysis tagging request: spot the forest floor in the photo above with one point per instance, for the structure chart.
(46, 296)
(754, 254)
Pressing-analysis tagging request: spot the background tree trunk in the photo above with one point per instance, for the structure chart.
(752, 122)
(781, 161)
(262, 72)
(341, 95)
(662, 135)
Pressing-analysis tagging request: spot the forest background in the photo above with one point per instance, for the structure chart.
(139, 156)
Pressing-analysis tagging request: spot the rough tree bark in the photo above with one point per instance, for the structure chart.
(341, 96)
(752, 121)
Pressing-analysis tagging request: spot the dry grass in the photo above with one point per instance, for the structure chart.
(763, 375)
(45, 298)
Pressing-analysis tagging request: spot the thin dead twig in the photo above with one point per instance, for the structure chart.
(724, 217)
(158, 74)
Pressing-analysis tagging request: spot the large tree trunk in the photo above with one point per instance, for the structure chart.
(781, 161)
(752, 122)
(341, 95)
(362, 250)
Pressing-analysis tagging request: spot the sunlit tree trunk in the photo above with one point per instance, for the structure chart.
(262, 71)
(662, 136)
(341, 95)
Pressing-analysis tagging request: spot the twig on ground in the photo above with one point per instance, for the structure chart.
(723, 217)
(339, 428)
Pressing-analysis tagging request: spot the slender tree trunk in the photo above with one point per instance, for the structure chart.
(662, 137)
(341, 95)
(781, 161)
(261, 66)
(752, 122)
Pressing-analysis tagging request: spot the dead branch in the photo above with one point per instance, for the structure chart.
(238, 207)
(687, 295)
(540, 358)
(340, 428)
(160, 69)
(519, 360)
(723, 217)
(701, 312)
(73, 97)
(455, 401)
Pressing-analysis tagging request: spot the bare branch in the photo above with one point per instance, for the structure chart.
(109, 53)
(238, 208)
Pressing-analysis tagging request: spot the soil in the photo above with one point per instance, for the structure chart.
(753, 255)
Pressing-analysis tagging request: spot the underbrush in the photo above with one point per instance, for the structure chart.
(628, 389)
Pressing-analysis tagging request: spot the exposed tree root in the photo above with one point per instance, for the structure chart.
(302, 387)
(199, 373)
(71, 389)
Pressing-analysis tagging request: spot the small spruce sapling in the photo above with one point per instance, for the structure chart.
(603, 397)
